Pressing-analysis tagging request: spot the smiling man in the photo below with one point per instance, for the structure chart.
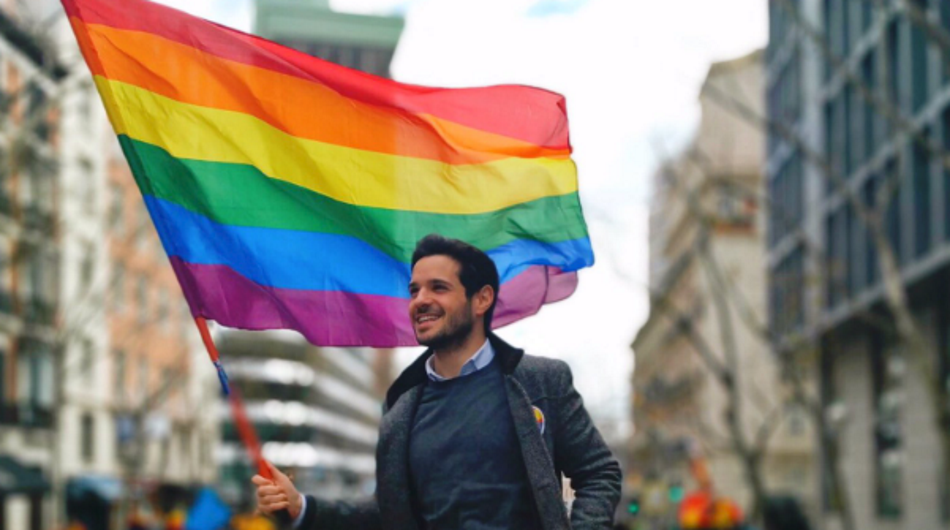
(476, 434)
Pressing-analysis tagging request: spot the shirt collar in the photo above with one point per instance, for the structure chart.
(482, 357)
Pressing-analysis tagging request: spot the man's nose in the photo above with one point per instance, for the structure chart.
(421, 300)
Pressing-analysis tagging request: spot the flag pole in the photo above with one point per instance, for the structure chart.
(244, 426)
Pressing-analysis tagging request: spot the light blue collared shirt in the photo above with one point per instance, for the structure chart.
(482, 357)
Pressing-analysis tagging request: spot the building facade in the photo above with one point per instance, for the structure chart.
(69, 409)
(31, 247)
(858, 97)
(361, 42)
(706, 198)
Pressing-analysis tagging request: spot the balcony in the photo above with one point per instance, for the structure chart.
(38, 311)
(35, 218)
(26, 414)
(6, 302)
(6, 203)
(660, 392)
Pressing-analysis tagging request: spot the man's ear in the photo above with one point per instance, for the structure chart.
(483, 300)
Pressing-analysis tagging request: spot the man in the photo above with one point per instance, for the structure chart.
(475, 433)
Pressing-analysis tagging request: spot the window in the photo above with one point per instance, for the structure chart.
(832, 261)
(87, 435)
(893, 211)
(141, 226)
(945, 22)
(844, 28)
(119, 376)
(945, 119)
(734, 207)
(37, 99)
(888, 372)
(143, 379)
(373, 61)
(921, 181)
(893, 77)
(830, 13)
(832, 152)
(87, 98)
(86, 267)
(870, 249)
(118, 287)
(830, 502)
(847, 250)
(86, 361)
(918, 46)
(867, 14)
(35, 374)
(3, 376)
(163, 309)
(869, 118)
(141, 299)
(35, 265)
(87, 185)
(944, 367)
(797, 420)
(116, 208)
(348, 57)
(844, 129)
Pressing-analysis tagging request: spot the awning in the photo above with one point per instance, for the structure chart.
(105, 487)
(16, 478)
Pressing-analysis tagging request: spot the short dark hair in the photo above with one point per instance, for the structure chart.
(476, 269)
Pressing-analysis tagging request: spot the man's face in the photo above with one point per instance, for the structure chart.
(442, 316)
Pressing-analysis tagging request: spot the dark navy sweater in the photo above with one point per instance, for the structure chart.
(465, 462)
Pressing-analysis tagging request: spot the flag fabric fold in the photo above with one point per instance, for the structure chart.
(289, 192)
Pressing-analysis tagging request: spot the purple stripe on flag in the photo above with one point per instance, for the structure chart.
(524, 294)
(345, 319)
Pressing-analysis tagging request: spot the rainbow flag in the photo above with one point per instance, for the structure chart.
(289, 192)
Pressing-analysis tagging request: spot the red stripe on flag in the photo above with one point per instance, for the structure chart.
(526, 113)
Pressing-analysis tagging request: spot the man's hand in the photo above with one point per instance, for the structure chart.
(278, 494)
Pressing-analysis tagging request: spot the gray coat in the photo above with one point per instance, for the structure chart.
(570, 444)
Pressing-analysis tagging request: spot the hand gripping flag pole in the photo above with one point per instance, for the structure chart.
(244, 426)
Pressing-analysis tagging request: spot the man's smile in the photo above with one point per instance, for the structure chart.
(426, 318)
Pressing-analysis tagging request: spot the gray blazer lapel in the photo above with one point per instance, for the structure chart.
(392, 463)
(544, 484)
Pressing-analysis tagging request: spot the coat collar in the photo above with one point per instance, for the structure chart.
(507, 355)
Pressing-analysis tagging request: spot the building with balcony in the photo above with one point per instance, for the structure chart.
(707, 198)
(871, 97)
(30, 261)
(101, 375)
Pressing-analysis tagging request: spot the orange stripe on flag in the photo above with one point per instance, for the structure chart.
(296, 106)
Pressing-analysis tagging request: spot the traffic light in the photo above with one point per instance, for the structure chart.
(676, 493)
(633, 506)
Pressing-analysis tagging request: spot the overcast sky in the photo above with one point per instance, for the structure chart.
(631, 71)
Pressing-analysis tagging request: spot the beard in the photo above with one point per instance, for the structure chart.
(458, 327)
